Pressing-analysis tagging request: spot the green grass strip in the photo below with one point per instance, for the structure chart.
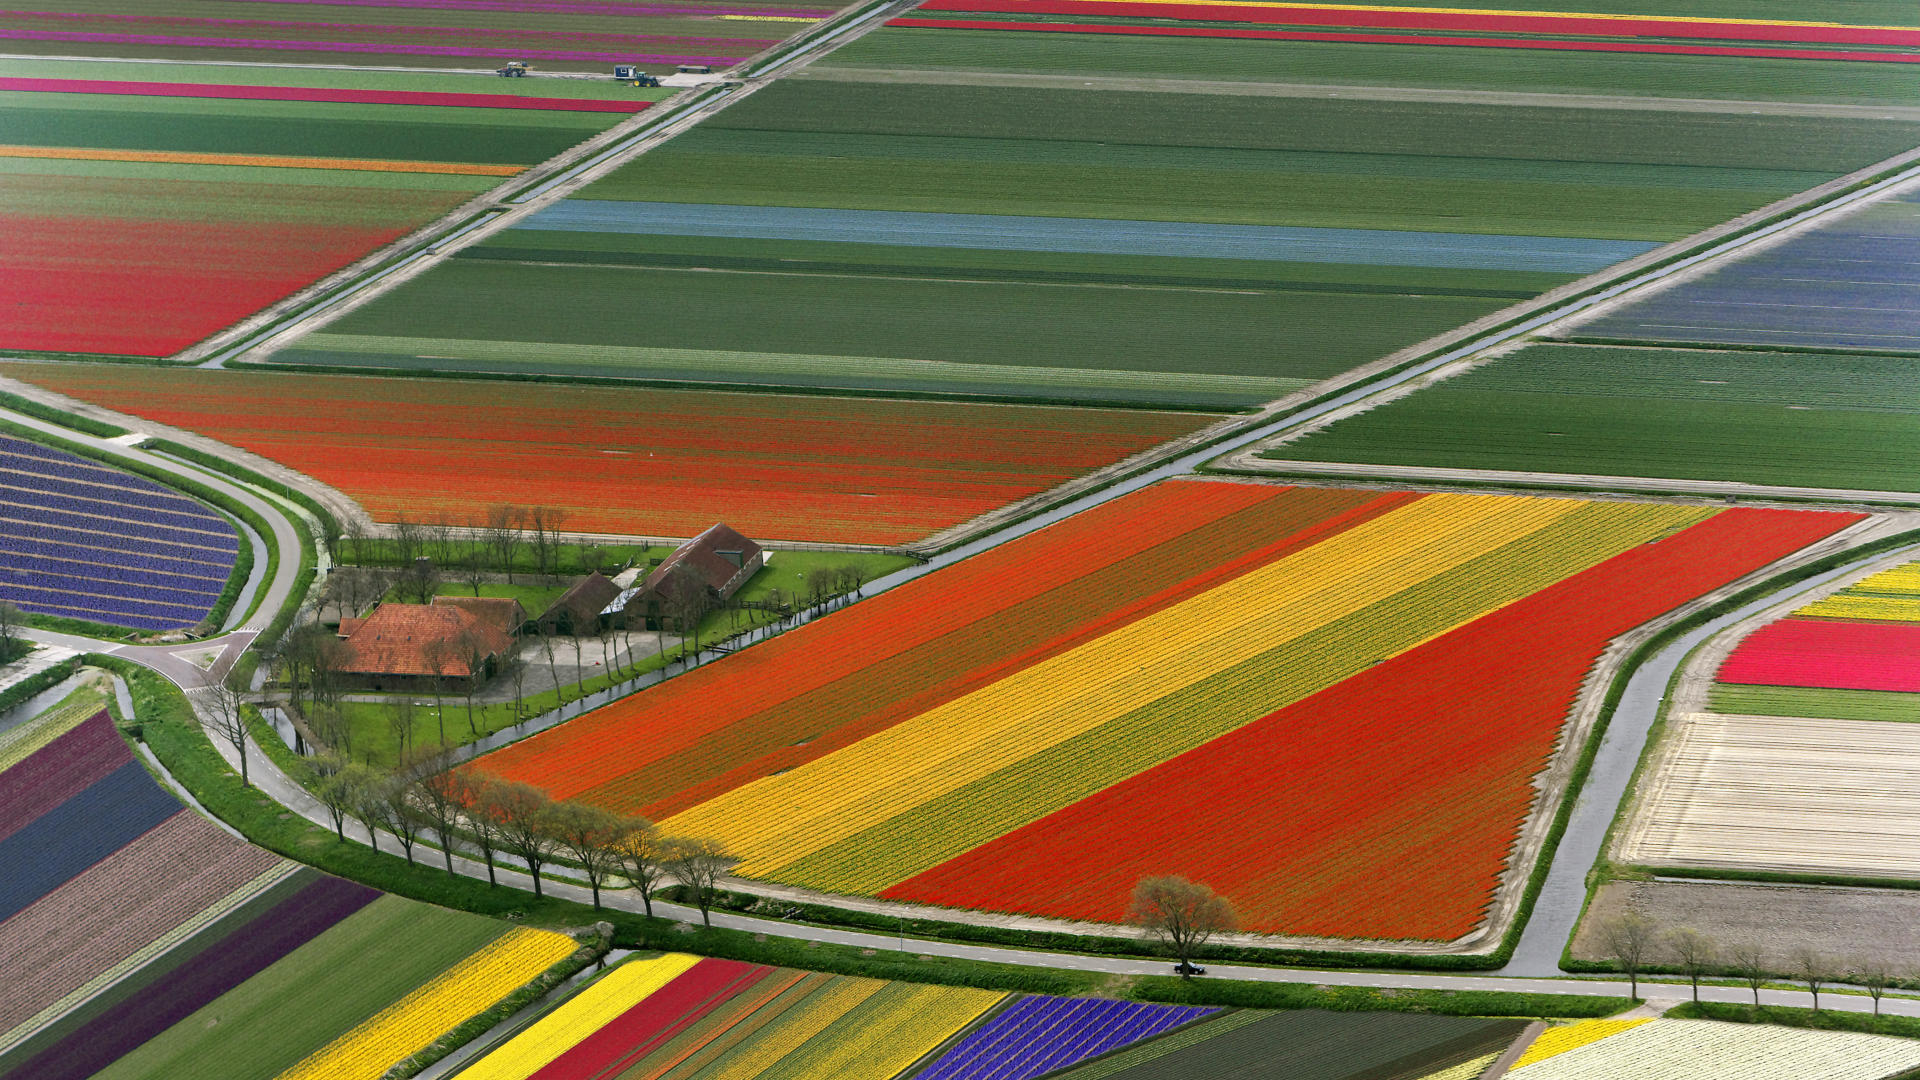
(1807, 701)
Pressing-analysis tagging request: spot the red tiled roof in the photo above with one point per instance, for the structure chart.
(701, 555)
(586, 599)
(503, 613)
(397, 639)
(348, 625)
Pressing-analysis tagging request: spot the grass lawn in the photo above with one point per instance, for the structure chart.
(313, 995)
(533, 598)
(372, 722)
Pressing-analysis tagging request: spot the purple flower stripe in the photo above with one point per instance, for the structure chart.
(12, 509)
(61, 463)
(91, 488)
(112, 565)
(58, 771)
(61, 843)
(182, 42)
(1041, 1034)
(246, 952)
(117, 618)
(188, 525)
(187, 600)
(86, 606)
(563, 7)
(18, 523)
(516, 36)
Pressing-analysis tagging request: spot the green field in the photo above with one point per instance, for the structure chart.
(1426, 66)
(1309, 1044)
(1799, 419)
(1804, 701)
(311, 996)
(20, 67)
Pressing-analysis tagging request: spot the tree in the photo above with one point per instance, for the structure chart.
(367, 789)
(439, 653)
(440, 794)
(1694, 952)
(225, 710)
(699, 863)
(553, 668)
(1182, 914)
(483, 820)
(525, 814)
(502, 532)
(331, 783)
(1751, 963)
(406, 539)
(400, 719)
(472, 651)
(1812, 967)
(10, 622)
(473, 571)
(389, 799)
(543, 527)
(594, 837)
(330, 727)
(514, 667)
(1874, 974)
(419, 581)
(643, 860)
(1628, 939)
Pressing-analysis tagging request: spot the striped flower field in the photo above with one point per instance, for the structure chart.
(1132, 663)
(636, 461)
(139, 941)
(142, 216)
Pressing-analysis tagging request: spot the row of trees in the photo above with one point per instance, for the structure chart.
(492, 541)
(489, 817)
(1636, 944)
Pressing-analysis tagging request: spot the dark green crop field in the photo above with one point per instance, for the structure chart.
(1613, 174)
(1519, 70)
(1799, 419)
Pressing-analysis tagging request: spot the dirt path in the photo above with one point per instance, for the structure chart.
(1356, 92)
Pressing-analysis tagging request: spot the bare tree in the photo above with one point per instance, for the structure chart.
(1629, 939)
(594, 837)
(10, 622)
(543, 528)
(419, 581)
(820, 585)
(366, 788)
(353, 536)
(400, 720)
(483, 819)
(440, 794)
(438, 535)
(227, 717)
(331, 783)
(502, 530)
(473, 652)
(699, 863)
(473, 571)
(514, 667)
(1182, 914)
(1694, 952)
(1751, 963)
(406, 539)
(525, 814)
(333, 731)
(575, 642)
(1875, 974)
(439, 653)
(643, 860)
(553, 668)
(390, 800)
(1812, 967)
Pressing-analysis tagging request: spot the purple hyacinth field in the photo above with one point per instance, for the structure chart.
(86, 541)
(1040, 1034)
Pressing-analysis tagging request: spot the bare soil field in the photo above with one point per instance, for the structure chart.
(1837, 921)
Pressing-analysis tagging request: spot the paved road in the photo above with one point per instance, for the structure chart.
(1250, 461)
(170, 660)
(276, 784)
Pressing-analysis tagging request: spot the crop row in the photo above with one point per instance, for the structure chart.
(1680, 1049)
(648, 462)
(1386, 805)
(1163, 666)
(1039, 1035)
(1827, 654)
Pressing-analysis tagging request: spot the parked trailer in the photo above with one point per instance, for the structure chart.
(628, 73)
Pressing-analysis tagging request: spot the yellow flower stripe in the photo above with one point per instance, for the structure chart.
(901, 1025)
(582, 1015)
(1879, 608)
(1559, 1040)
(769, 18)
(780, 819)
(24, 741)
(1466, 1070)
(1196, 713)
(795, 1026)
(409, 1025)
(267, 161)
(1679, 19)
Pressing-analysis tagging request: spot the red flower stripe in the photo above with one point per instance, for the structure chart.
(57, 772)
(639, 461)
(1829, 654)
(1476, 22)
(893, 656)
(1412, 39)
(302, 93)
(988, 650)
(1385, 806)
(152, 288)
(657, 1019)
